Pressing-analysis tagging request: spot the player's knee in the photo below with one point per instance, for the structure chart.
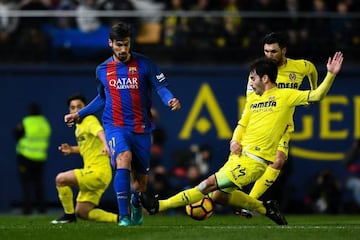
(202, 186)
(208, 185)
(139, 185)
(60, 179)
(123, 160)
(82, 213)
(220, 197)
(140, 188)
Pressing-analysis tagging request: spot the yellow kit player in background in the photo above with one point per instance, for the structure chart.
(254, 143)
(93, 179)
(291, 74)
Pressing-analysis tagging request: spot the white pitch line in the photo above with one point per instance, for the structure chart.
(257, 227)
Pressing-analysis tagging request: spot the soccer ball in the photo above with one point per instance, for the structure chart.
(200, 210)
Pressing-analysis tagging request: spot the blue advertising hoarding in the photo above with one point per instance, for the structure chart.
(212, 100)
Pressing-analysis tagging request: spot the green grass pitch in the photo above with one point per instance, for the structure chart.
(161, 227)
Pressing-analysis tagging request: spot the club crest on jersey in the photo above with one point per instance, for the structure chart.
(289, 84)
(132, 70)
(292, 76)
(272, 99)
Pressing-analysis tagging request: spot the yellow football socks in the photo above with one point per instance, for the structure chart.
(66, 198)
(264, 182)
(241, 199)
(100, 215)
(181, 199)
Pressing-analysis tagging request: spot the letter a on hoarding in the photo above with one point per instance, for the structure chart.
(205, 98)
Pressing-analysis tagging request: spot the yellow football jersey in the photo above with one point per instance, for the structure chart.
(292, 73)
(90, 146)
(265, 119)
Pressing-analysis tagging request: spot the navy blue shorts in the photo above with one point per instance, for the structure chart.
(121, 140)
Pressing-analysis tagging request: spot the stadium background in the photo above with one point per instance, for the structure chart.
(211, 75)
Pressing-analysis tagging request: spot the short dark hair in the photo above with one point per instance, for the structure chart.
(265, 66)
(275, 37)
(76, 96)
(120, 30)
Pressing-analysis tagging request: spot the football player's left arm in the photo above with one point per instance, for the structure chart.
(161, 86)
(333, 66)
(168, 98)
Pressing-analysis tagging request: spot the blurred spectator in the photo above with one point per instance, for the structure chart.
(320, 31)
(258, 26)
(8, 26)
(175, 28)
(292, 7)
(232, 24)
(111, 5)
(158, 141)
(193, 176)
(34, 22)
(352, 163)
(32, 43)
(185, 161)
(66, 22)
(159, 182)
(84, 20)
(325, 193)
(294, 22)
(204, 27)
(353, 5)
(182, 159)
(201, 157)
(149, 29)
(33, 139)
(341, 27)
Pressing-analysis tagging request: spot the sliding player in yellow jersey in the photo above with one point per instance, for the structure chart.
(254, 143)
(291, 74)
(93, 179)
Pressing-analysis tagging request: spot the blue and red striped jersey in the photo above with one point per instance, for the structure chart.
(126, 90)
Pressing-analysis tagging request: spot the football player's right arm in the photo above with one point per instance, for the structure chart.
(235, 146)
(105, 149)
(95, 105)
(235, 143)
(66, 149)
